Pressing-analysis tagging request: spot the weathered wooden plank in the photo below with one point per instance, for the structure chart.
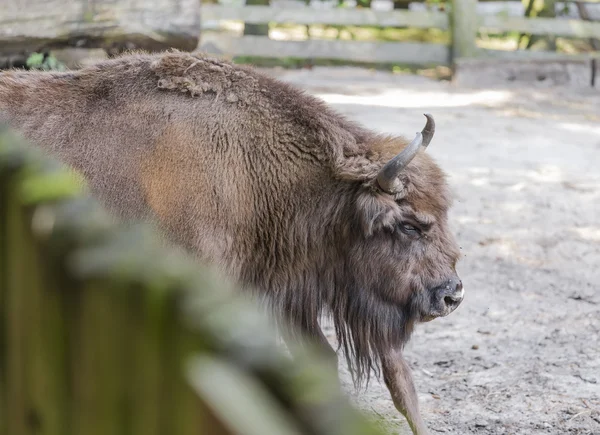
(575, 73)
(541, 26)
(339, 16)
(16, 317)
(146, 323)
(100, 354)
(464, 28)
(358, 51)
(47, 368)
(408, 18)
(528, 55)
(4, 254)
(155, 24)
(188, 413)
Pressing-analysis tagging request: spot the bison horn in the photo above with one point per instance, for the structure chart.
(388, 175)
(429, 130)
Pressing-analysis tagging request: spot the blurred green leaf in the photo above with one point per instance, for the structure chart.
(39, 61)
(42, 187)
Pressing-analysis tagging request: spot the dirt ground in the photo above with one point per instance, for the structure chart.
(521, 355)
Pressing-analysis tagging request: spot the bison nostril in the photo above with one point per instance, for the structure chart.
(449, 301)
(452, 301)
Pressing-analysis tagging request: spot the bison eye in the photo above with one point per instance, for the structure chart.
(410, 229)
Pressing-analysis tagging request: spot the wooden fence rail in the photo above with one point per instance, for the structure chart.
(32, 25)
(338, 16)
(105, 331)
(461, 20)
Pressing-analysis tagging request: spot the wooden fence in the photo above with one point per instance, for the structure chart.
(29, 26)
(105, 331)
(461, 19)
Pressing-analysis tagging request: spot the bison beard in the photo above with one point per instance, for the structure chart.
(317, 213)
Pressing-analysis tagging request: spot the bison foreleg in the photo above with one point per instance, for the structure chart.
(398, 379)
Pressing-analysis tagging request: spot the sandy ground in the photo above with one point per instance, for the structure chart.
(521, 355)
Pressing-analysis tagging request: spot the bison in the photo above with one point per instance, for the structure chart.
(267, 183)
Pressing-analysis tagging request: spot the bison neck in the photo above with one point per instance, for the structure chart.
(40, 105)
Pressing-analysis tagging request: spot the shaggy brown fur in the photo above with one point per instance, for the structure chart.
(260, 179)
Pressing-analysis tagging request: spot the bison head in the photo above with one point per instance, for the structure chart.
(398, 250)
(422, 227)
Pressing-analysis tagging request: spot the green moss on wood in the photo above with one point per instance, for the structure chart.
(99, 323)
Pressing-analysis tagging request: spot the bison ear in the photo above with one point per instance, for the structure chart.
(376, 212)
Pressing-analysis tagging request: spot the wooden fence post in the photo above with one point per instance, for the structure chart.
(464, 26)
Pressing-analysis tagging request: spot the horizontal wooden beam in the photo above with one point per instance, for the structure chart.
(570, 71)
(359, 51)
(418, 19)
(337, 16)
(30, 25)
(529, 55)
(542, 26)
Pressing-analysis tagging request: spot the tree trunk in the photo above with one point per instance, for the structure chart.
(547, 42)
(401, 4)
(583, 13)
(257, 29)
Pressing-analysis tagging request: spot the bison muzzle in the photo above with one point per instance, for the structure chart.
(317, 213)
